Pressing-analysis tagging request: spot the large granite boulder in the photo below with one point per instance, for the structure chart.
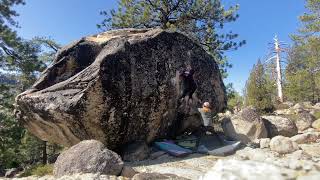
(277, 125)
(119, 87)
(89, 156)
(246, 126)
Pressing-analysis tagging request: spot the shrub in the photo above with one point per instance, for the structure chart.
(38, 170)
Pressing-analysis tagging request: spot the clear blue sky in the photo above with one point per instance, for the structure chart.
(260, 20)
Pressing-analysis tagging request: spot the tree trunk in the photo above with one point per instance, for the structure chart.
(44, 153)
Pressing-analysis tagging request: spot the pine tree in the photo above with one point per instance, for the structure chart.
(200, 19)
(303, 70)
(257, 94)
(20, 62)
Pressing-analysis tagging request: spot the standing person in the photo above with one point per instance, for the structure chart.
(207, 117)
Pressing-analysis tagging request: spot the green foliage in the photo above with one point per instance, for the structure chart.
(203, 20)
(235, 100)
(21, 61)
(38, 170)
(257, 94)
(317, 115)
(311, 19)
(303, 71)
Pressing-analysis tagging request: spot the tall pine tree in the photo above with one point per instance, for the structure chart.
(201, 19)
(257, 93)
(20, 63)
(303, 70)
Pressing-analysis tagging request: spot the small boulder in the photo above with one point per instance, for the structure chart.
(89, 156)
(307, 104)
(305, 138)
(282, 111)
(298, 106)
(304, 121)
(316, 106)
(288, 103)
(264, 143)
(128, 172)
(277, 125)
(136, 151)
(316, 124)
(283, 145)
(149, 176)
(314, 112)
(246, 126)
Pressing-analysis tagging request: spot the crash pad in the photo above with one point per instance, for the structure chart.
(172, 149)
(225, 150)
(188, 142)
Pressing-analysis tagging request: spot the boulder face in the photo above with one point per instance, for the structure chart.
(246, 126)
(277, 125)
(119, 87)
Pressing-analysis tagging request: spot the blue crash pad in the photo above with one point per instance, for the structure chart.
(172, 149)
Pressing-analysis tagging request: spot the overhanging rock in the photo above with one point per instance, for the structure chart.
(118, 87)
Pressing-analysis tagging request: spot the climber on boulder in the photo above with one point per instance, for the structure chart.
(189, 86)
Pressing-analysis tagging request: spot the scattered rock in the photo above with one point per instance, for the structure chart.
(136, 151)
(265, 143)
(128, 172)
(298, 106)
(282, 111)
(288, 103)
(316, 124)
(314, 111)
(307, 104)
(156, 176)
(277, 125)
(263, 155)
(246, 126)
(78, 176)
(305, 138)
(299, 155)
(317, 106)
(235, 169)
(309, 130)
(89, 156)
(118, 87)
(283, 145)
